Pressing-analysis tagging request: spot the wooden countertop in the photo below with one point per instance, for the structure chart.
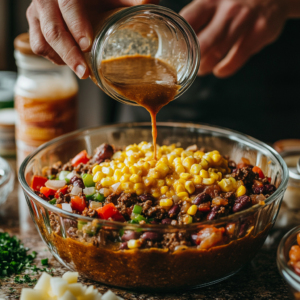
(259, 279)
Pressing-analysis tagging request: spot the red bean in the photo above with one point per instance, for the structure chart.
(242, 203)
(269, 189)
(213, 213)
(73, 179)
(194, 238)
(79, 182)
(123, 246)
(151, 236)
(201, 198)
(130, 235)
(166, 221)
(103, 152)
(146, 197)
(174, 211)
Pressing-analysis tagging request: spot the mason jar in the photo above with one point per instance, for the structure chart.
(45, 99)
(147, 30)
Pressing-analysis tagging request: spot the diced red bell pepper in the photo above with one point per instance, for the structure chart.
(118, 217)
(81, 157)
(38, 182)
(78, 203)
(107, 211)
(47, 192)
(258, 170)
(62, 190)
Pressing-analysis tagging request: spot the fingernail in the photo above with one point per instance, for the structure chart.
(80, 70)
(84, 43)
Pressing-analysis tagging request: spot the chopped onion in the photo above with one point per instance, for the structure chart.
(72, 174)
(95, 204)
(117, 155)
(89, 191)
(176, 199)
(106, 192)
(55, 184)
(115, 186)
(76, 190)
(67, 207)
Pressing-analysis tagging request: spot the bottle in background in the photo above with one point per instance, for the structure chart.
(45, 99)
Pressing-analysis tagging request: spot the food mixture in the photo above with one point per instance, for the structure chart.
(182, 186)
(294, 256)
(148, 81)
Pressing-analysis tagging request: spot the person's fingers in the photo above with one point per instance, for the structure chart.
(59, 38)
(224, 31)
(38, 43)
(198, 13)
(76, 18)
(121, 3)
(249, 44)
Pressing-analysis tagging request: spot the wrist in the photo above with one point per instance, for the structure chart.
(293, 8)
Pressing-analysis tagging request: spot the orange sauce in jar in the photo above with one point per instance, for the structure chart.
(148, 81)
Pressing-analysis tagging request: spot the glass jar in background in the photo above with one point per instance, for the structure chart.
(7, 83)
(45, 99)
(7, 132)
(148, 30)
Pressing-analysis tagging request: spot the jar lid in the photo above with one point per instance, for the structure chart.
(7, 83)
(287, 145)
(22, 44)
(8, 117)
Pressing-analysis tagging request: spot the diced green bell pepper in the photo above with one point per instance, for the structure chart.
(98, 197)
(81, 224)
(88, 180)
(137, 209)
(53, 201)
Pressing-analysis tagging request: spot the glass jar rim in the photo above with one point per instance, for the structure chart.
(167, 12)
(234, 135)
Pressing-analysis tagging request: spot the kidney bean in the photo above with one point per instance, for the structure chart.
(146, 197)
(258, 189)
(151, 236)
(243, 229)
(201, 198)
(231, 164)
(213, 190)
(269, 189)
(73, 179)
(123, 246)
(174, 211)
(154, 222)
(79, 183)
(194, 239)
(213, 213)
(103, 152)
(130, 235)
(242, 203)
(166, 221)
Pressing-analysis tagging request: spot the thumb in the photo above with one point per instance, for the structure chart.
(120, 3)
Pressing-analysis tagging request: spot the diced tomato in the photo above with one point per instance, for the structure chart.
(38, 182)
(62, 190)
(209, 237)
(78, 203)
(81, 157)
(204, 207)
(258, 170)
(107, 211)
(47, 192)
(269, 179)
(245, 162)
(118, 217)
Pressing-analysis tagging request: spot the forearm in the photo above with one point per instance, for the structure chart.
(293, 8)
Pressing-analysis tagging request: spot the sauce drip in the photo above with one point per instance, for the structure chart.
(148, 81)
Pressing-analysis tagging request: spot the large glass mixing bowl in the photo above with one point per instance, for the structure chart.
(154, 269)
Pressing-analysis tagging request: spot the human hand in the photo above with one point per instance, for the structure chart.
(231, 31)
(60, 30)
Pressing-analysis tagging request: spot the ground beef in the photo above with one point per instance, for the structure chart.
(213, 190)
(84, 169)
(88, 212)
(67, 167)
(63, 198)
(156, 212)
(41, 195)
(171, 240)
(102, 153)
(246, 175)
(54, 223)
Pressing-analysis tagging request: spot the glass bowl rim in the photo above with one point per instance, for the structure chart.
(287, 273)
(8, 172)
(235, 135)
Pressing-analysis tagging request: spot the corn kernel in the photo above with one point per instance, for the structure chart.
(160, 182)
(179, 169)
(199, 154)
(178, 151)
(149, 181)
(107, 171)
(170, 194)
(220, 175)
(208, 181)
(98, 176)
(171, 158)
(177, 161)
(185, 176)
(163, 169)
(169, 181)
(139, 192)
(96, 169)
(197, 179)
(133, 244)
(204, 174)
(195, 169)
(135, 170)
(190, 187)
(164, 189)
(156, 194)
(192, 210)
(241, 191)
(126, 185)
(180, 188)
(166, 202)
(125, 170)
(188, 162)
(185, 154)
(214, 175)
(125, 178)
(138, 186)
(227, 185)
(217, 158)
(135, 178)
(117, 175)
(183, 195)
(107, 182)
(204, 163)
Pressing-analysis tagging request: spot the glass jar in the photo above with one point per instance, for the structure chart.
(148, 30)
(7, 83)
(45, 99)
